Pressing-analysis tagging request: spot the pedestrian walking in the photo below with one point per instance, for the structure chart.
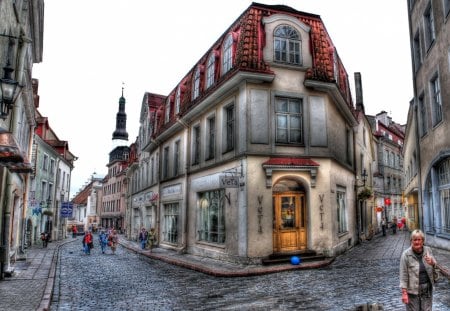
(143, 236)
(74, 231)
(88, 242)
(45, 237)
(151, 238)
(383, 226)
(417, 274)
(103, 241)
(403, 221)
(113, 238)
(394, 225)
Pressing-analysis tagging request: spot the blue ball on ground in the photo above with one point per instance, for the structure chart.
(295, 260)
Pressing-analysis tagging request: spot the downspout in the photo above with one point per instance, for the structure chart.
(419, 172)
(184, 243)
(359, 109)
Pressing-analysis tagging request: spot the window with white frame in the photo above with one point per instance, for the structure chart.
(211, 216)
(44, 191)
(196, 85)
(45, 163)
(227, 54)
(341, 211)
(52, 166)
(436, 99)
(287, 45)
(210, 70)
(170, 223)
(177, 100)
(289, 120)
(229, 127)
(50, 192)
(167, 112)
(430, 34)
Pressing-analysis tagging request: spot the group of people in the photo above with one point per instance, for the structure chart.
(105, 239)
(147, 238)
(394, 225)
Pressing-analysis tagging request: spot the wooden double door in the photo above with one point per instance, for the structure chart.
(289, 222)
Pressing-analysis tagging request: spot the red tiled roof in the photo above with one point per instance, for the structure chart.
(291, 162)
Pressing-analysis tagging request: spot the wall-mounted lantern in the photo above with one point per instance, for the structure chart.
(9, 91)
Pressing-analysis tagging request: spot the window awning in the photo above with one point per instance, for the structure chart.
(290, 164)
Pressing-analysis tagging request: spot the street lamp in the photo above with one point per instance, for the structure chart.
(9, 89)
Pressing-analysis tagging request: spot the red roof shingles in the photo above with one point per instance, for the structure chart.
(248, 33)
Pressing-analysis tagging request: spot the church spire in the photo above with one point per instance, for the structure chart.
(120, 135)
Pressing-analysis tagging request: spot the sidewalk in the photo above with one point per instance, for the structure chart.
(31, 286)
(217, 267)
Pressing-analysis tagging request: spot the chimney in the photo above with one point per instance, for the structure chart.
(359, 94)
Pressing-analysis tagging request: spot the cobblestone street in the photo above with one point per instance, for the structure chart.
(130, 281)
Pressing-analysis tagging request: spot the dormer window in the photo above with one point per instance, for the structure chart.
(286, 44)
(196, 85)
(227, 55)
(167, 115)
(210, 70)
(177, 100)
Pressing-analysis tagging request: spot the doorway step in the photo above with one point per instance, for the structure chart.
(283, 258)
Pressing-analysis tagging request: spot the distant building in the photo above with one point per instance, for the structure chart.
(389, 137)
(114, 185)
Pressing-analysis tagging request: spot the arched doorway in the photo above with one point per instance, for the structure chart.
(289, 217)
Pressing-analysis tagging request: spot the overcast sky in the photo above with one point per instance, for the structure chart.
(92, 47)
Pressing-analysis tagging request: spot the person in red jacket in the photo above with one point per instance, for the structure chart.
(88, 242)
(74, 231)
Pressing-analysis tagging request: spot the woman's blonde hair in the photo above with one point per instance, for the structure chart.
(417, 232)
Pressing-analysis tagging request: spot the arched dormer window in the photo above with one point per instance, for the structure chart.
(167, 115)
(177, 100)
(210, 70)
(196, 84)
(287, 45)
(227, 54)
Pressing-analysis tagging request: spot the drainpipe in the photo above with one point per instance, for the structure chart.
(187, 188)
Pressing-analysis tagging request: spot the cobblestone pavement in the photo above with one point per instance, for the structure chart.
(128, 280)
(133, 279)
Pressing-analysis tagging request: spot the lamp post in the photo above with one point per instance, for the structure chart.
(10, 90)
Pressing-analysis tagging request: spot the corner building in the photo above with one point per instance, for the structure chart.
(252, 153)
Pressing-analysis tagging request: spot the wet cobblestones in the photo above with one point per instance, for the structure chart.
(130, 281)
